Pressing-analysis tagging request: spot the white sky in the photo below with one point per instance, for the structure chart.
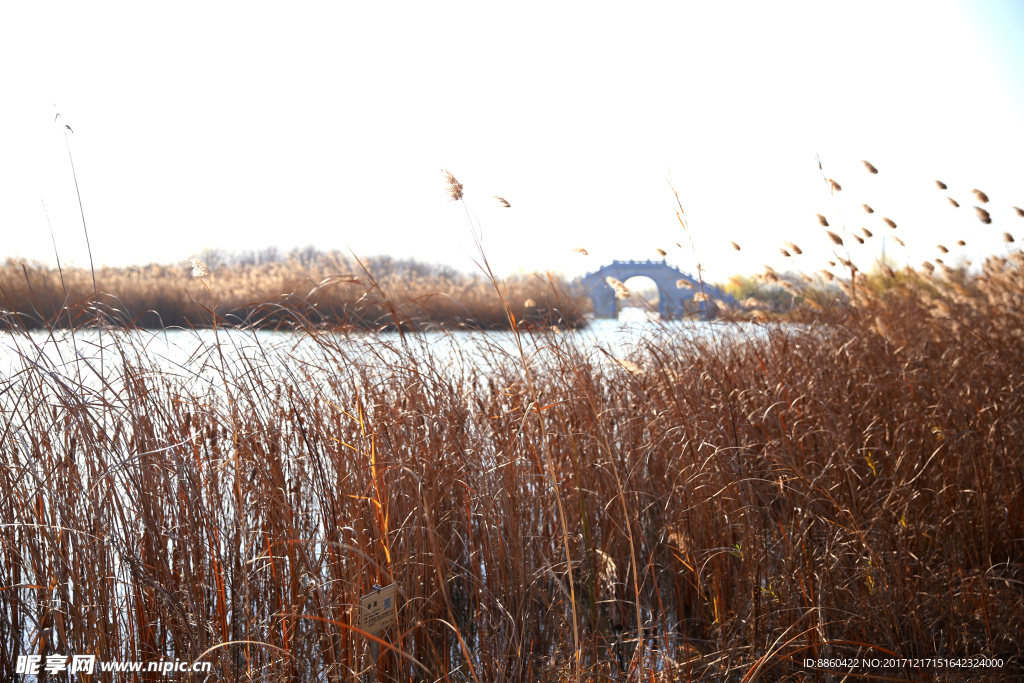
(249, 125)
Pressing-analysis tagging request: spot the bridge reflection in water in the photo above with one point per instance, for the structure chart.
(673, 301)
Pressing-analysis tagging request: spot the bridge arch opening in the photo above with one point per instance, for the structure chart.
(643, 294)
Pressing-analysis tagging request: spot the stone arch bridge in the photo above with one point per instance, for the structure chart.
(673, 301)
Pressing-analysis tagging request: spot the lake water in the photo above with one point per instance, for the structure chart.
(198, 353)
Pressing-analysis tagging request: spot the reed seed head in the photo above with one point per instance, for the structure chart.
(831, 264)
(983, 215)
(955, 203)
(530, 303)
(889, 222)
(942, 249)
(701, 296)
(827, 275)
(928, 267)
(661, 252)
(503, 201)
(887, 271)
(860, 240)
(1007, 237)
(867, 233)
(897, 240)
(1017, 210)
(581, 251)
(737, 247)
(621, 290)
(869, 166)
(199, 268)
(961, 243)
(683, 283)
(836, 239)
(941, 185)
(454, 186)
(785, 253)
(822, 220)
(793, 248)
(836, 187)
(982, 197)
(867, 209)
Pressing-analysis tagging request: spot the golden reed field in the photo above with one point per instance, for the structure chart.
(748, 501)
(303, 288)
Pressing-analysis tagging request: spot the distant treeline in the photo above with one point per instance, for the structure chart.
(274, 289)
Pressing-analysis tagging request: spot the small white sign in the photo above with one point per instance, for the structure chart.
(377, 610)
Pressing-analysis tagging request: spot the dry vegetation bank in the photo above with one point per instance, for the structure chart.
(268, 290)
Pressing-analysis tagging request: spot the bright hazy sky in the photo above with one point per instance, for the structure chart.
(248, 125)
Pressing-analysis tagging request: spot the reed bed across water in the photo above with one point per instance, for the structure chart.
(303, 288)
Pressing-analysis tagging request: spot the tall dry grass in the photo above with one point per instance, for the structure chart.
(850, 487)
(719, 504)
(299, 289)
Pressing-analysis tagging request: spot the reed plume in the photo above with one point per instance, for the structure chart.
(983, 215)
(941, 185)
(942, 249)
(199, 269)
(737, 247)
(621, 291)
(897, 240)
(836, 239)
(867, 209)
(889, 222)
(954, 202)
(868, 165)
(867, 233)
(982, 197)
(454, 187)
(822, 220)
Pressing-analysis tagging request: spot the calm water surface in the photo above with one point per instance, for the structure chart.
(199, 352)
